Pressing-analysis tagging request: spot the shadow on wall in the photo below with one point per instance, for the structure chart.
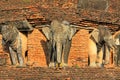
(44, 46)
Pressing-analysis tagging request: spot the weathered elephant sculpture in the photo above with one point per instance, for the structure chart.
(59, 36)
(15, 42)
(116, 58)
(100, 43)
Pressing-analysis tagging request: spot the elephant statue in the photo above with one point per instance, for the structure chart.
(16, 44)
(100, 43)
(59, 36)
(116, 37)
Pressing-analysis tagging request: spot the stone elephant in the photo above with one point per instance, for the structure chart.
(15, 42)
(59, 36)
(116, 58)
(100, 43)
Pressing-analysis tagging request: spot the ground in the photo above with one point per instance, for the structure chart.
(71, 73)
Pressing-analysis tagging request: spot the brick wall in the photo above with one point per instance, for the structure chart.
(1, 48)
(37, 49)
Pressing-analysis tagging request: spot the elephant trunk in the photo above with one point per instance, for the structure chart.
(106, 54)
(59, 52)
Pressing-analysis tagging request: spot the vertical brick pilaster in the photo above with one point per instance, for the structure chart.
(3, 53)
(79, 49)
(37, 48)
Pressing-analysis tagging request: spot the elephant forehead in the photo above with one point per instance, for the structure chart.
(65, 27)
(4, 29)
(55, 24)
(9, 32)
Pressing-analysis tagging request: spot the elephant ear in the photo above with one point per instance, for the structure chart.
(46, 31)
(72, 32)
(95, 35)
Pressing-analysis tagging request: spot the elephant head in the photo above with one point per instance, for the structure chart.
(60, 35)
(102, 35)
(55, 26)
(103, 41)
(9, 33)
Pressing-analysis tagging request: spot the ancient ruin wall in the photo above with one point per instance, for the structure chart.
(79, 12)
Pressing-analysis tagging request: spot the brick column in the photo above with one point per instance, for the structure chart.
(3, 54)
(79, 49)
(37, 48)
